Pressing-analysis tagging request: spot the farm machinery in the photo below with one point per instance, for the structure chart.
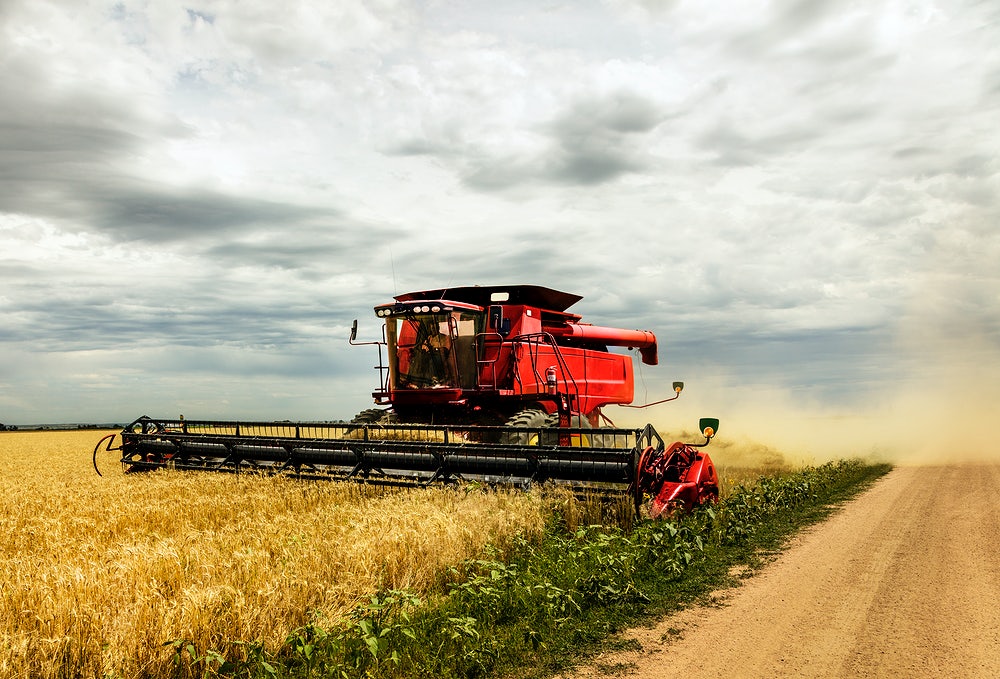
(490, 384)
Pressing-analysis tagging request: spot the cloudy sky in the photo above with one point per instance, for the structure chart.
(802, 199)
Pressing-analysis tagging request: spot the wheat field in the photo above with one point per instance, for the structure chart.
(100, 572)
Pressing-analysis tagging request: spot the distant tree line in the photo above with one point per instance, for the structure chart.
(45, 427)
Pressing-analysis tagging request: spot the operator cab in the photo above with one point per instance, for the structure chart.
(487, 353)
(432, 346)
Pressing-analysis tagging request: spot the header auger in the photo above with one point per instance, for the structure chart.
(499, 385)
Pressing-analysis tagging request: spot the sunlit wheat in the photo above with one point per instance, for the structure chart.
(100, 572)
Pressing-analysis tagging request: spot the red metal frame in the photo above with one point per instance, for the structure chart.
(680, 477)
(459, 360)
(527, 337)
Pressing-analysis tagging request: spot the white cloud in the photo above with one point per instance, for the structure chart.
(227, 184)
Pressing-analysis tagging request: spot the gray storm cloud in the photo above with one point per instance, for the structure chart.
(801, 201)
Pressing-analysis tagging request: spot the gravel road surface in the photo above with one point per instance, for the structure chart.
(903, 581)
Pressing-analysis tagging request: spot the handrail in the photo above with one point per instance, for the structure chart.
(536, 340)
(485, 338)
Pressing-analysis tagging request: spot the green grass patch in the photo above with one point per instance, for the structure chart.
(550, 603)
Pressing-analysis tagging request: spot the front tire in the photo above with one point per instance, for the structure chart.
(531, 420)
(370, 416)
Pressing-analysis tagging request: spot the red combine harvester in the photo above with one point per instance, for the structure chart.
(498, 384)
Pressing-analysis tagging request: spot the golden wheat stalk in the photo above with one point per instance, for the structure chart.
(100, 572)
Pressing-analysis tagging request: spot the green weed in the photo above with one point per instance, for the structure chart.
(548, 601)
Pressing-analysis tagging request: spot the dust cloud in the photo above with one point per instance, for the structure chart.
(771, 428)
(938, 412)
(945, 410)
(936, 400)
(947, 397)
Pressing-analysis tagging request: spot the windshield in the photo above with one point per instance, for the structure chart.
(429, 351)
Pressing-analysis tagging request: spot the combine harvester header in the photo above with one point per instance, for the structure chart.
(499, 385)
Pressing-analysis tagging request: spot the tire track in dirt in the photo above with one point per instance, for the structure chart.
(903, 581)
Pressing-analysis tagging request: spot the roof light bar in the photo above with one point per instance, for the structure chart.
(403, 309)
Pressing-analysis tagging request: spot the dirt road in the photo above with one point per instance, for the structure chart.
(903, 582)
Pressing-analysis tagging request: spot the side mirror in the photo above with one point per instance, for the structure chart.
(709, 426)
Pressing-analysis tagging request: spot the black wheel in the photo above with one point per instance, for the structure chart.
(371, 416)
(531, 420)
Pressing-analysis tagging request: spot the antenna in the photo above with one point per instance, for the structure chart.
(444, 291)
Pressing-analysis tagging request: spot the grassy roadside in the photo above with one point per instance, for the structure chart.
(548, 603)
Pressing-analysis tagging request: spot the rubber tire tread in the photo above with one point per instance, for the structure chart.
(530, 418)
